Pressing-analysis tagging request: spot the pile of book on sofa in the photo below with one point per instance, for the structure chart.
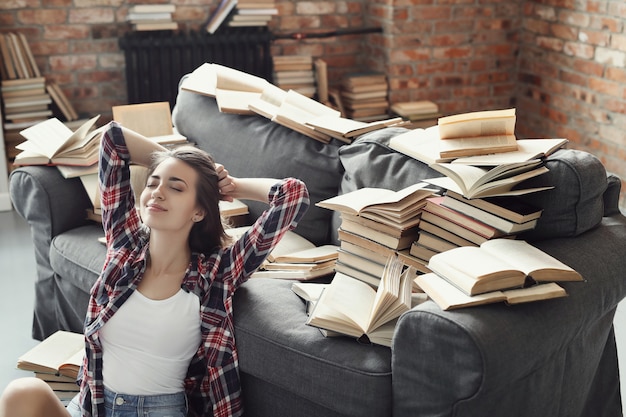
(456, 236)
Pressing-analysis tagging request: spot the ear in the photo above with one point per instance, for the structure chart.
(198, 216)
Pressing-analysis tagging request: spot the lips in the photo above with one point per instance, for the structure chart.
(155, 207)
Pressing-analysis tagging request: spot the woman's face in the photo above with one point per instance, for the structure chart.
(168, 202)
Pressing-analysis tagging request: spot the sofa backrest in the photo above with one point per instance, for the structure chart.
(251, 146)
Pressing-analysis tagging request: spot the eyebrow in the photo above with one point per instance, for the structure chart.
(170, 179)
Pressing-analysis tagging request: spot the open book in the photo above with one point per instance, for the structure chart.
(352, 307)
(477, 133)
(449, 297)
(498, 264)
(294, 257)
(347, 129)
(60, 353)
(380, 203)
(52, 143)
(420, 144)
(473, 182)
(153, 120)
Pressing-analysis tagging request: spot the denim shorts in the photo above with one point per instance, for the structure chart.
(121, 405)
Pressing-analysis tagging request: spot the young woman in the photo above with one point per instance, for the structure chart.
(159, 328)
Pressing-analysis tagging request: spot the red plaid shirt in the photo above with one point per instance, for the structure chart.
(212, 383)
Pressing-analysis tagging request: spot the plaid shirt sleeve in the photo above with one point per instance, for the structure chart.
(212, 383)
(121, 225)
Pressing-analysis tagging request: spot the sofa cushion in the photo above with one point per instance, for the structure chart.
(253, 146)
(78, 257)
(276, 346)
(576, 203)
(370, 162)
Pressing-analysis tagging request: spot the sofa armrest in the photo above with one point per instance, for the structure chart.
(50, 204)
(488, 360)
(611, 195)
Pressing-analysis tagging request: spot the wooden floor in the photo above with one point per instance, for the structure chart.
(17, 277)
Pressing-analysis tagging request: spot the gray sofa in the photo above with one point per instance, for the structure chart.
(552, 358)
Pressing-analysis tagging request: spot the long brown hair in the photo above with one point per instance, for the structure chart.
(208, 234)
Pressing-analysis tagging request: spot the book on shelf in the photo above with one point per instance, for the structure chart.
(59, 354)
(507, 226)
(52, 143)
(61, 101)
(511, 208)
(412, 108)
(449, 297)
(152, 120)
(477, 133)
(352, 307)
(475, 182)
(527, 149)
(219, 15)
(380, 201)
(149, 26)
(499, 264)
(457, 222)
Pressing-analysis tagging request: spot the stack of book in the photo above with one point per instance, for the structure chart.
(364, 96)
(295, 72)
(56, 360)
(23, 88)
(377, 223)
(294, 258)
(421, 114)
(252, 13)
(147, 17)
(499, 270)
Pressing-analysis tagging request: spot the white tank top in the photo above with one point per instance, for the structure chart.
(147, 344)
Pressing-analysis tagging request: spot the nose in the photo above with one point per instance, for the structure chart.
(156, 193)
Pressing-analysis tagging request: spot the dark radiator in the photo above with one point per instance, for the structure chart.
(156, 61)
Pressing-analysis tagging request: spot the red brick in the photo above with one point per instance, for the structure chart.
(612, 24)
(19, 4)
(606, 87)
(62, 32)
(616, 74)
(432, 12)
(574, 18)
(315, 8)
(538, 26)
(618, 42)
(72, 62)
(299, 22)
(550, 43)
(92, 15)
(564, 32)
(453, 52)
(412, 55)
(578, 50)
(36, 16)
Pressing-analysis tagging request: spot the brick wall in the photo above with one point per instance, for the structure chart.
(561, 63)
(572, 76)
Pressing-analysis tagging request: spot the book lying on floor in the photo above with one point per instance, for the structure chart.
(60, 354)
(52, 143)
(475, 182)
(449, 297)
(499, 264)
(353, 308)
(477, 133)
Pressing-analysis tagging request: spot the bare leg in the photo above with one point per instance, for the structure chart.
(30, 397)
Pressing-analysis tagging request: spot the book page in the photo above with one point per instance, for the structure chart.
(148, 119)
(235, 102)
(316, 254)
(231, 79)
(448, 297)
(420, 144)
(477, 124)
(307, 105)
(59, 348)
(81, 136)
(202, 80)
(529, 259)
(46, 137)
(351, 298)
(464, 175)
(527, 149)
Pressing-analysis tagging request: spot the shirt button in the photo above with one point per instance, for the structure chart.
(119, 401)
